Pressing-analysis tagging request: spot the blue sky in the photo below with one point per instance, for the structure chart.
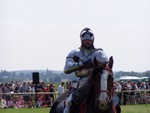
(37, 34)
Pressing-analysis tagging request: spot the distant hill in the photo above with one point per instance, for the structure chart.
(55, 76)
(26, 75)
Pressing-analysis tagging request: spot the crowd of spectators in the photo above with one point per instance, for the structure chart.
(131, 92)
(26, 94)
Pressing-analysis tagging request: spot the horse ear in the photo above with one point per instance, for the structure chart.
(111, 61)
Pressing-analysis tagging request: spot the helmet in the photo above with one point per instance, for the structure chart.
(87, 38)
(86, 34)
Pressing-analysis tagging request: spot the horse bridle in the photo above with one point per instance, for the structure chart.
(107, 91)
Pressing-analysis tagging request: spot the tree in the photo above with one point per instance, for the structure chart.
(57, 79)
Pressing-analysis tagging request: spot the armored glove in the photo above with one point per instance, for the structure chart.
(88, 63)
(76, 58)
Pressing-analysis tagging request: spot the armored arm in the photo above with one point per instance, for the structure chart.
(71, 66)
(72, 63)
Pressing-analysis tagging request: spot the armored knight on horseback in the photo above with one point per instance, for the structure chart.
(80, 61)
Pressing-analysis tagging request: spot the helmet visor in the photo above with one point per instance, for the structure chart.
(87, 36)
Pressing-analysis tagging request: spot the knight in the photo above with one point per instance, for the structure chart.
(80, 61)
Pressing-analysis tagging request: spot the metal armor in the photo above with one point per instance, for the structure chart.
(82, 72)
(84, 55)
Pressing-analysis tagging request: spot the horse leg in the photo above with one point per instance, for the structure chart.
(118, 108)
(54, 107)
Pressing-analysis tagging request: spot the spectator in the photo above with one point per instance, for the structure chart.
(46, 101)
(143, 95)
(133, 93)
(20, 102)
(25, 88)
(40, 100)
(31, 102)
(1, 89)
(52, 97)
(125, 94)
(143, 86)
(39, 87)
(39, 103)
(148, 85)
(7, 89)
(52, 89)
(17, 88)
(119, 87)
(68, 85)
(60, 88)
(10, 103)
(2, 103)
(32, 88)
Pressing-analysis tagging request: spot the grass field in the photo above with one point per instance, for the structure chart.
(135, 108)
(125, 109)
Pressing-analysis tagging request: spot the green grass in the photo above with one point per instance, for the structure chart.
(135, 108)
(124, 108)
(25, 110)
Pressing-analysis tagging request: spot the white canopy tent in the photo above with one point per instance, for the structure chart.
(129, 78)
(132, 78)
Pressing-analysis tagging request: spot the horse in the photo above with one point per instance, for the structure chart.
(100, 97)
(101, 100)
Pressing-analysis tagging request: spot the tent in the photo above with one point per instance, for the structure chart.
(132, 78)
(129, 78)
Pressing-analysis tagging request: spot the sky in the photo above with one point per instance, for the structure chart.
(39, 34)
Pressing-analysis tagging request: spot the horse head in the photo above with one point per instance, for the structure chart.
(103, 83)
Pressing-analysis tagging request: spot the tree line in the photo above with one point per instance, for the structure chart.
(54, 76)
